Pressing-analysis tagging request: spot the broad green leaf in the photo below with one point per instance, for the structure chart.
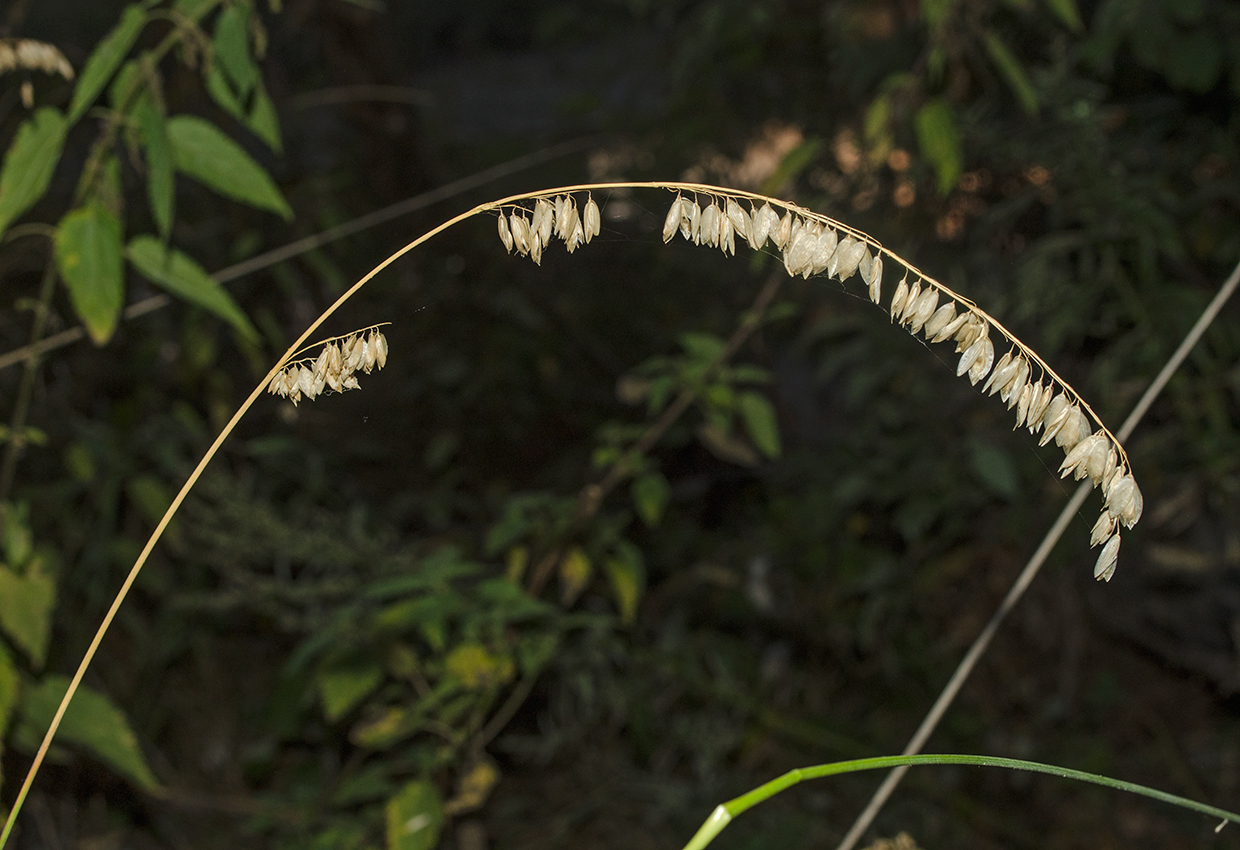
(232, 48)
(160, 187)
(414, 817)
(180, 275)
(701, 346)
(575, 570)
(263, 120)
(26, 603)
(126, 81)
(1010, 67)
(91, 721)
(341, 690)
(627, 573)
(88, 255)
(939, 140)
(202, 151)
(10, 690)
(105, 59)
(1068, 13)
(29, 163)
(650, 495)
(760, 422)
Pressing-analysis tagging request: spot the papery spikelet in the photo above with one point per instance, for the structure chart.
(1078, 457)
(923, 310)
(910, 301)
(727, 236)
(504, 235)
(536, 246)
(970, 355)
(1004, 370)
(763, 218)
(544, 220)
(1022, 404)
(981, 366)
(381, 349)
(561, 216)
(520, 233)
(709, 234)
(900, 297)
(739, 219)
(876, 281)
(824, 247)
(780, 235)
(592, 221)
(940, 319)
(1105, 566)
(849, 259)
(950, 329)
(1103, 529)
(673, 221)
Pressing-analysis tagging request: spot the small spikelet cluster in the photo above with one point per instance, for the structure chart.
(558, 218)
(335, 368)
(811, 245)
(27, 54)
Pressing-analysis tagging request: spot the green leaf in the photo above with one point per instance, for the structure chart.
(91, 721)
(626, 571)
(414, 817)
(18, 541)
(341, 690)
(221, 92)
(105, 59)
(761, 423)
(181, 276)
(1067, 12)
(203, 152)
(232, 48)
(26, 603)
(650, 495)
(575, 571)
(160, 187)
(29, 163)
(939, 139)
(1010, 67)
(263, 120)
(702, 346)
(88, 255)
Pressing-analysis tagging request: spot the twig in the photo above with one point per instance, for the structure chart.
(948, 695)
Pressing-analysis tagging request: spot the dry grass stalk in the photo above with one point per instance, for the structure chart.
(814, 244)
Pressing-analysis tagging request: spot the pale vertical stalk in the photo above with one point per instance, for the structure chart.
(948, 695)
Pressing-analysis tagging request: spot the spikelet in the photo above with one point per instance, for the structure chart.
(505, 235)
(674, 220)
(876, 281)
(592, 221)
(334, 367)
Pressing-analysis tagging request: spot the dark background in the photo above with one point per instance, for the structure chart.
(797, 611)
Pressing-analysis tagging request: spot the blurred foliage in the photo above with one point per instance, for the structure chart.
(374, 607)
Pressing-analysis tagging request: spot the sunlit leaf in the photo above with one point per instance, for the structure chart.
(91, 721)
(476, 667)
(760, 422)
(1010, 67)
(88, 256)
(105, 59)
(650, 495)
(180, 275)
(939, 140)
(26, 603)
(414, 817)
(626, 571)
(575, 571)
(202, 151)
(341, 690)
(29, 163)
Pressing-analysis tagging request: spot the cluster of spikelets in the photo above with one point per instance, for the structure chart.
(28, 54)
(335, 368)
(558, 218)
(812, 244)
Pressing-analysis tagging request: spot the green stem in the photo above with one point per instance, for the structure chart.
(21, 410)
(724, 813)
